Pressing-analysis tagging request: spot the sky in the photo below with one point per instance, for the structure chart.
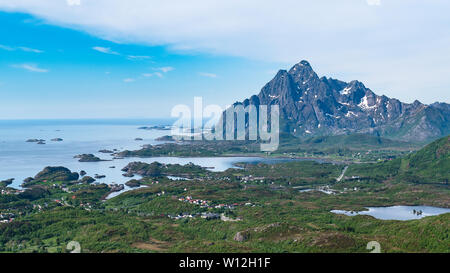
(140, 58)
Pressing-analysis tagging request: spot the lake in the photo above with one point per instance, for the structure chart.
(402, 213)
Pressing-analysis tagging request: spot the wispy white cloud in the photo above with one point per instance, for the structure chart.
(128, 80)
(22, 48)
(31, 68)
(7, 48)
(106, 50)
(138, 58)
(160, 71)
(165, 69)
(28, 49)
(209, 75)
(157, 74)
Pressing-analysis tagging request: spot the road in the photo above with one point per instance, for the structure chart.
(342, 174)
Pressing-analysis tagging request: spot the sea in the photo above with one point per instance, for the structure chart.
(20, 159)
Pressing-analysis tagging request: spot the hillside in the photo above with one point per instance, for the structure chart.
(430, 165)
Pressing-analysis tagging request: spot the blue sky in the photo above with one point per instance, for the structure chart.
(107, 59)
(66, 74)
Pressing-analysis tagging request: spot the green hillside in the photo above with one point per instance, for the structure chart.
(430, 164)
(355, 141)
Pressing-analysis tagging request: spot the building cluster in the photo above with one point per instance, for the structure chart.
(9, 191)
(251, 178)
(207, 204)
(190, 200)
(204, 215)
(7, 217)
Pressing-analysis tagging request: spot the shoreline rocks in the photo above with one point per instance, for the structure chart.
(35, 140)
(116, 187)
(87, 180)
(133, 183)
(163, 128)
(52, 174)
(6, 183)
(105, 151)
(165, 138)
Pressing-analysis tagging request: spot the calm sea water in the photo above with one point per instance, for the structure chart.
(19, 159)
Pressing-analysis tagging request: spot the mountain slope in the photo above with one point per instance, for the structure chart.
(432, 163)
(313, 106)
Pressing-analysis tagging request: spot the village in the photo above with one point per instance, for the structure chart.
(208, 205)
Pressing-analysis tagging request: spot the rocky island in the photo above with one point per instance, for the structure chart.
(161, 127)
(88, 158)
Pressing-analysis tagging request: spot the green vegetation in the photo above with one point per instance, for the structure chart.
(356, 147)
(429, 165)
(157, 169)
(283, 207)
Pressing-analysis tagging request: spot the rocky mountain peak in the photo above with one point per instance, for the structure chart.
(312, 106)
(302, 73)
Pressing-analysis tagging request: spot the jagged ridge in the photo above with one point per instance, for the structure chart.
(313, 106)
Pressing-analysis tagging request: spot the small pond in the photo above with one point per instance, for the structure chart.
(402, 213)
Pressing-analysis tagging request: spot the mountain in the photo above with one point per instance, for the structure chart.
(312, 106)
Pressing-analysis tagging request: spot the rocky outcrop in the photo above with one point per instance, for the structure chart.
(6, 182)
(34, 140)
(155, 128)
(133, 183)
(56, 174)
(143, 169)
(165, 138)
(105, 151)
(87, 180)
(88, 158)
(240, 236)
